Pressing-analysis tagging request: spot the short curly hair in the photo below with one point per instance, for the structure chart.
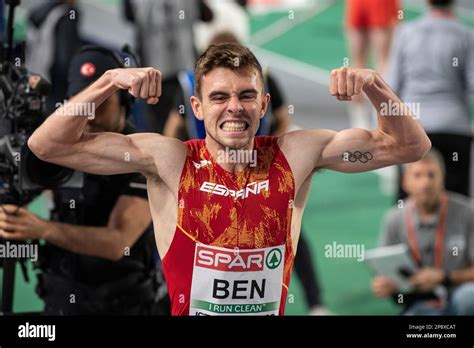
(229, 55)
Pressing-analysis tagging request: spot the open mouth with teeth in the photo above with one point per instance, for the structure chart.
(234, 126)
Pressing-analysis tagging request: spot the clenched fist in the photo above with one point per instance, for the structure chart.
(346, 82)
(142, 83)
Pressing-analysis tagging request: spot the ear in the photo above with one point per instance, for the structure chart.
(197, 109)
(265, 102)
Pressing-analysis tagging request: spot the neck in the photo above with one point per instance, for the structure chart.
(427, 209)
(442, 12)
(225, 155)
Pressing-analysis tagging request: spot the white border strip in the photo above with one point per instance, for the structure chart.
(292, 66)
(285, 24)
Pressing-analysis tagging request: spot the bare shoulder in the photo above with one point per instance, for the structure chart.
(303, 148)
(152, 141)
(315, 137)
(168, 154)
(305, 142)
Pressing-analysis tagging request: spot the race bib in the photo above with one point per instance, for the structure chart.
(237, 282)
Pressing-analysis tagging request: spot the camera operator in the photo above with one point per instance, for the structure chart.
(99, 256)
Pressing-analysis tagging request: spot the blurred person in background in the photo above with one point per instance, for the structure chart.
(369, 26)
(184, 125)
(438, 227)
(100, 254)
(238, 23)
(432, 68)
(165, 38)
(52, 40)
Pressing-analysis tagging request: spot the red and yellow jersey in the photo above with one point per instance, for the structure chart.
(231, 252)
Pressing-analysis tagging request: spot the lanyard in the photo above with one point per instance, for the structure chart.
(440, 232)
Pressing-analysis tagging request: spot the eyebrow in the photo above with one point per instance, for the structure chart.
(214, 93)
(249, 90)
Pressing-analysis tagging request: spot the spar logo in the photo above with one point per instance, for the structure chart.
(230, 261)
(273, 258)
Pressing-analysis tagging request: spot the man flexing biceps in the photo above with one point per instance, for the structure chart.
(226, 229)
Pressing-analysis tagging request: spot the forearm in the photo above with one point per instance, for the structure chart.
(66, 125)
(395, 118)
(102, 242)
(461, 276)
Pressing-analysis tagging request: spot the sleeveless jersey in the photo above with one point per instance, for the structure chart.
(231, 252)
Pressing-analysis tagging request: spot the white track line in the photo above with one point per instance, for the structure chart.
(293, 66)
(285, 24)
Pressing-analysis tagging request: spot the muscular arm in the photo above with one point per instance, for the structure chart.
(397, 139)
(128, 220)
(61, 138)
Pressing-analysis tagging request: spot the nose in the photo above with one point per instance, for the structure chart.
(426, 182)
(234, 106)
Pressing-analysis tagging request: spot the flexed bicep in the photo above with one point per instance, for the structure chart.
(358, 150)
(106, 154)
(350, 151)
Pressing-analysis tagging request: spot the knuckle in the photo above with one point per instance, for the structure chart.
(137, 83)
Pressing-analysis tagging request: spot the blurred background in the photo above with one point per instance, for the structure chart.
(300, 41)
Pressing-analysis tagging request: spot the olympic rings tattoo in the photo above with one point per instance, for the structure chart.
(357, 156)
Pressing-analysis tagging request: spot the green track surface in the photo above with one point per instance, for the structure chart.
(342, 208)
(346, 209)
(323, 32)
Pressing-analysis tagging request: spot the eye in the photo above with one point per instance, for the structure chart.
(219, 98)
(247, 96)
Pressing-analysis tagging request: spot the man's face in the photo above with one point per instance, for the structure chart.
(231, 106)
(108, 116)
(424, 181)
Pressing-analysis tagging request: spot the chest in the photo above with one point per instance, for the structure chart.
(452, 247)
(250, 209)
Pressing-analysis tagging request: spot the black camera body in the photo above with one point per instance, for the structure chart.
(23, 176)
(22, 110)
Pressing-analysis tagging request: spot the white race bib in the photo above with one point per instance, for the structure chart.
(237, 282)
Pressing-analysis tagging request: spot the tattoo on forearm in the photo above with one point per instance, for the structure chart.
(357, 156)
